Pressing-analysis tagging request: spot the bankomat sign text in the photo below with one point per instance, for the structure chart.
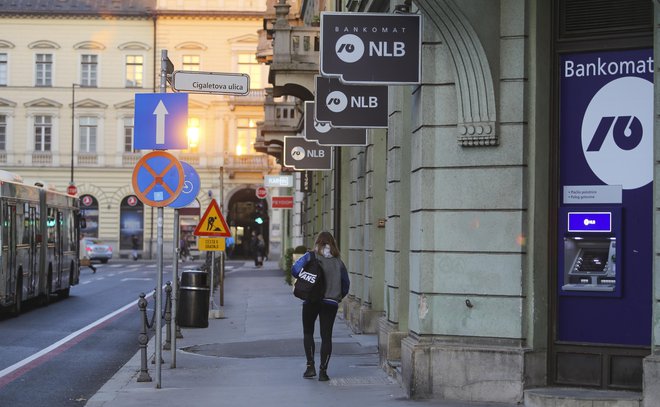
(371, 47)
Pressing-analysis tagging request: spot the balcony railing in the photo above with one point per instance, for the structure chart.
(130, 159)
(297, 45)
(42, 158)
(246, 163)
(190, 158)
(88, 159)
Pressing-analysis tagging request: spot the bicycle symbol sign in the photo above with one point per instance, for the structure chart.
(158, 178)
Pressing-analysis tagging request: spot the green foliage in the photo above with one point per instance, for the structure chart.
(289, 257)
(288, 262)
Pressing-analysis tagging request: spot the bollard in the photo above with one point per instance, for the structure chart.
(143, 339)
(168, 316)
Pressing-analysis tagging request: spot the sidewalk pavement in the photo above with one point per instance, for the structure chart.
(254, 357)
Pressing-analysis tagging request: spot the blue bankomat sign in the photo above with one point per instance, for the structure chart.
(605, 217)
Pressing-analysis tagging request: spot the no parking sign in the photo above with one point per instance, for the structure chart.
(158, 178)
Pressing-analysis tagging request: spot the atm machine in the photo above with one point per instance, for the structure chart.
(591, 251)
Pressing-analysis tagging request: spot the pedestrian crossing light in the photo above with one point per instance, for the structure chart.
(259, 213)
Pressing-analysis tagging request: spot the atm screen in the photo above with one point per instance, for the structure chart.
(593, 260)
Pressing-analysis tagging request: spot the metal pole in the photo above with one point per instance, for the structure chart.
(175, 284)
(211, 301)
(73, 124)
(222, 254)
(159, 247)
(159, 293)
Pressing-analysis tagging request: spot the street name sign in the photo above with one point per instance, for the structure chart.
(158, 178)
(324, 134)
(351, 105)
(211, 82)
(302, 154)
(161, 121)
(372, 47)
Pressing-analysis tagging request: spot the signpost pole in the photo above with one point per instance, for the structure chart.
(159, 246)
(175, 284)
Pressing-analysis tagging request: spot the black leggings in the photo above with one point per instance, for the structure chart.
(326, 314)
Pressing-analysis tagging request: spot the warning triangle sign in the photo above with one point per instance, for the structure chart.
(212, 223)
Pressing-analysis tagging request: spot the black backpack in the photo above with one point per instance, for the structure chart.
(310, 285)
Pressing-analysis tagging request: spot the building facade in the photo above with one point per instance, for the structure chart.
(69, 73)
(500, 233)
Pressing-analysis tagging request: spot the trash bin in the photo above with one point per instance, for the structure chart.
(193, 304)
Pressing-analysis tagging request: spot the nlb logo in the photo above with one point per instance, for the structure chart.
(310, 278)
(588, 222)
(337, 102)
(617, 133)
(350, 48)
(322, 127)
(298, 153)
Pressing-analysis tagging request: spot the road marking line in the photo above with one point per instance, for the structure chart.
(16, 366)
(136, 279)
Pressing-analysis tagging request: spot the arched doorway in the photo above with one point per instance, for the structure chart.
(247, 214)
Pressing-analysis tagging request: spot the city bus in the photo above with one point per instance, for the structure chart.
(39, 243)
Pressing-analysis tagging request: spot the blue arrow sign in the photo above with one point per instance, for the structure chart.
(161, 121)
(191, 187)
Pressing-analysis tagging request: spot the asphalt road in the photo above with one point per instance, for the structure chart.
(61, 354)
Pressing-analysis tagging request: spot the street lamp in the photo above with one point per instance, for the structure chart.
(73, 126)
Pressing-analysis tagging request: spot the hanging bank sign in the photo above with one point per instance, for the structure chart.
(302, 154)
(350, 105)
(326, 135)
(372, 47)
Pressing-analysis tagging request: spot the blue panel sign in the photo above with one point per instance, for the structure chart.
(590, 222)
(606, 141)
(190, 189)
(161, 121)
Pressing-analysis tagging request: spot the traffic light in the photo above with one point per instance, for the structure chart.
(259, 213)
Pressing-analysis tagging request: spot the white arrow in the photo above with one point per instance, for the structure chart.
(160, 112)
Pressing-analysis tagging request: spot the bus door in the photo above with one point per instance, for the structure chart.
(59, 248)
(54, 257)
(8, 271)
(32, 265)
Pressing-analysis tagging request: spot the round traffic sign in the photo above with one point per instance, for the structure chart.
(190, 189)
(158, 178)
(71, 189)
(262, 192)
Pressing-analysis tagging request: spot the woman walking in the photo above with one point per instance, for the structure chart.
(336, 288)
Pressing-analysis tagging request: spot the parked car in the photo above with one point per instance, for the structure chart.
(95, 249)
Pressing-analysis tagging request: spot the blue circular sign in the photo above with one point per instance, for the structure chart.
(190, 189)
(158, 178)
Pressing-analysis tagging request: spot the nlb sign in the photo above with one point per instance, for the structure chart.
(342, 105)
(372, 47)
(324, 134)
(302, 154)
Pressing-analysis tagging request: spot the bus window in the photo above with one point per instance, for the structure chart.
(22, 225)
